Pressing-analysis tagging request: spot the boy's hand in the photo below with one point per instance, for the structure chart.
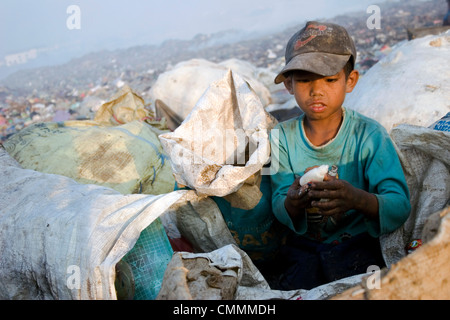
(342, 197)
(297, 199)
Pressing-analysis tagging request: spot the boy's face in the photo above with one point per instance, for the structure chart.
(320, 97)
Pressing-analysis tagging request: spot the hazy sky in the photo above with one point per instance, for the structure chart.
(112, 24)
(27, 24)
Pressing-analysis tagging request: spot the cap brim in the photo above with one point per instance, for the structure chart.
(324, 64)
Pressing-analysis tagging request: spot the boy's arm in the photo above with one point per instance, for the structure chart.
(285, 187)
(387, 182)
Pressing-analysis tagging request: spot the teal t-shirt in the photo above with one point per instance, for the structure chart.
(366, 158)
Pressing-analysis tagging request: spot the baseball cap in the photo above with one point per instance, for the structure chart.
(321, 48)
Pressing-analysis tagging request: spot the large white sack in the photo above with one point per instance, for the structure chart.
(181, 87)
(223, 141)
(425, 157)
(60, 239)
(411, 85)
(265, 76)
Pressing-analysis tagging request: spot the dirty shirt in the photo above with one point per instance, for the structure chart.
(366, 158)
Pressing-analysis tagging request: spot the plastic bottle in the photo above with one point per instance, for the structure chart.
(332, 174)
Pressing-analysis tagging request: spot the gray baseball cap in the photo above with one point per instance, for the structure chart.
(321, 48)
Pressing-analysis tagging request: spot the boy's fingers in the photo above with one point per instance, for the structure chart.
(328, 185)
(299, 194)
(328, 208)
(325, 194)
(296, 184)
(324, 205)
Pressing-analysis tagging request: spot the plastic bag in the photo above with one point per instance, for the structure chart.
(223, 141)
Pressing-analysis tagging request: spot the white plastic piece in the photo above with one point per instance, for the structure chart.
(316, 174)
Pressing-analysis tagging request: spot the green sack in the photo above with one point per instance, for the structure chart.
(127, 158)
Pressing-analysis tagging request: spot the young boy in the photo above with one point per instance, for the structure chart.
(370, 196)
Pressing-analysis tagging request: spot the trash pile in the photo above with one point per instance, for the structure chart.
(128, 205)
(78, 88)
(397, 19)
(119, 149)
(417, 94)
(20, 111)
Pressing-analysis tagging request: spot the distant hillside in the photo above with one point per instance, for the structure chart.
(140, 66)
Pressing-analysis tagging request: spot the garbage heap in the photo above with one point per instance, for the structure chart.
(131, 206)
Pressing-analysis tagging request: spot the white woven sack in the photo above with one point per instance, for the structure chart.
(182, 86)
(60, 239)
(223, 141)
(410, 85)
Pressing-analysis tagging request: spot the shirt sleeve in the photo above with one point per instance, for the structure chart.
(387, 182)
(282, 179)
